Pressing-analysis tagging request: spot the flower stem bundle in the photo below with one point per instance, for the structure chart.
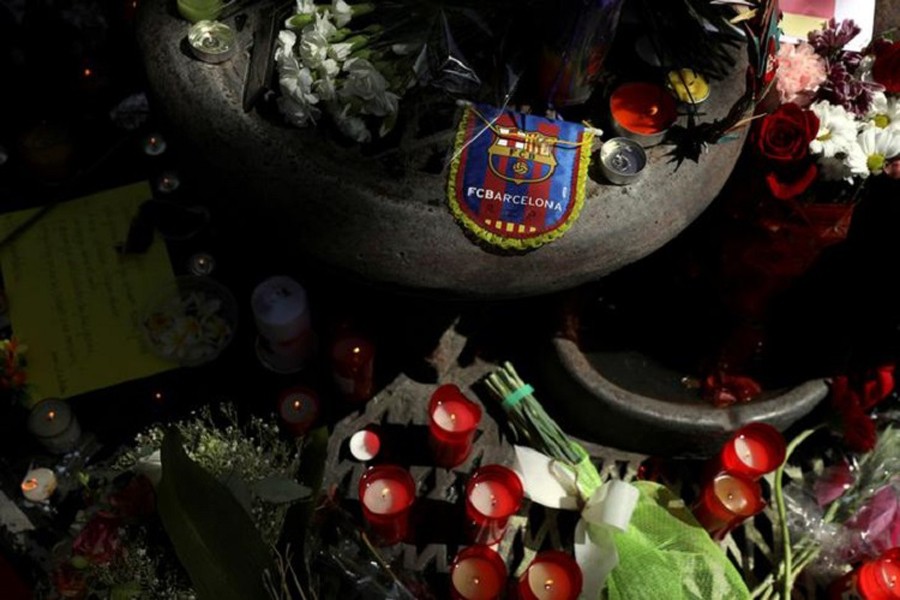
(537, 429)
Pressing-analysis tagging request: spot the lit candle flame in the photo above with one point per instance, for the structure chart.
(654, 109)
(453, 417)
(87, 72)
(730, 496)
(296, 405)
(51, 415)
(493, 500)
(476, 580)
(29, 485)
(385, 492)
(548, 585)
(158, 395)
(356, 349)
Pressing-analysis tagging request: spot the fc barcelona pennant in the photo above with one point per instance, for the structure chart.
(517, 181)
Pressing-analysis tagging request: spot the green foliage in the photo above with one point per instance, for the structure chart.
(213, 536)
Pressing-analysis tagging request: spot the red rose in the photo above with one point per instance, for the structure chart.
(886, 69)
(98, 542)
(878, 386)
(782, 140)
(784, 135)
(859, 430)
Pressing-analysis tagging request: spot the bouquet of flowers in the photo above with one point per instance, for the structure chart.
(839, 114)
(13, 378)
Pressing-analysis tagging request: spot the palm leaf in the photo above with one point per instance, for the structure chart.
(213, 536)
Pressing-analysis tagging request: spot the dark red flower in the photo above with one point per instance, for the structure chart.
(725, 389)
(859, 430)
(782, 141)
(877, 386)
(886, 69)
(135, 500)
(69, 582)
(98, 542)
(785, 134)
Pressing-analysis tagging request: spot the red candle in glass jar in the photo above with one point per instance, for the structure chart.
(452, 421)
(725, 502)
(753, 451)
(552, 575)
(493, 494)
(298, 408)
(642, 111)
(877, 579)
(477, 573)
(353, 367)
(386, 493)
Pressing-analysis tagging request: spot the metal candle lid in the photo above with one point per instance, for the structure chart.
(622, 160)
(212, 41)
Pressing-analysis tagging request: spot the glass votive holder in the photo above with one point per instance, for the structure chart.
(386, 494)
(477, 573)
(753, 451)
(725, 502)
(493, 494)
(552, 575)
(452, 422)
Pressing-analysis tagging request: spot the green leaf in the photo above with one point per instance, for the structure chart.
(213, 536)
(279, 490)
(310, 475)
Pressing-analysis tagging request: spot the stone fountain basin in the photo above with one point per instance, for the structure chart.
(627, 400)
(344, 209)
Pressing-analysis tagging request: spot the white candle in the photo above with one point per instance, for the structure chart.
(385, 496)
(475, 578)
(549, 581)
(453, 415)
(491, 498)
(282, 317)
(52, 422)
(39, 484)
(365, 445)
(750, 452)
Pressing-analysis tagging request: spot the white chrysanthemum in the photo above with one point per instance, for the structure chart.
(342, 12)
(884, 112)
(878, 146)
(837, 129)
(352, 126)
(306, 7)
(366, 83)
(297, 100)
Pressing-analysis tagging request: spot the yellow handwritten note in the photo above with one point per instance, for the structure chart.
(75, 301)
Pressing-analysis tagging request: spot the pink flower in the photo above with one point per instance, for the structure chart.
(800, 73)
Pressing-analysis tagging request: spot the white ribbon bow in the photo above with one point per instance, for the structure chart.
(551, 483)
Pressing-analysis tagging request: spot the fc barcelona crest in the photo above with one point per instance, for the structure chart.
(517, 181)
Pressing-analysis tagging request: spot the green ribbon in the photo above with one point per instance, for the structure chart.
(512, 399)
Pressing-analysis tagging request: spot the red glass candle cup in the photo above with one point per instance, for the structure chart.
(477, 573)
(493, 494)
(298, 408)
(452, 421)
(386, 494)
(753, 451)
(642, 112)
(725, 502)
(552, 575)
(878, 579)
(353, 367)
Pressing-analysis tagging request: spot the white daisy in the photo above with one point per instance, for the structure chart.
(878, 146)
(837, 129)
(884, 112)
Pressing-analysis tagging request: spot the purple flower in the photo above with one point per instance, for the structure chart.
(876, 527)
(831, 40)
(843, 88)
